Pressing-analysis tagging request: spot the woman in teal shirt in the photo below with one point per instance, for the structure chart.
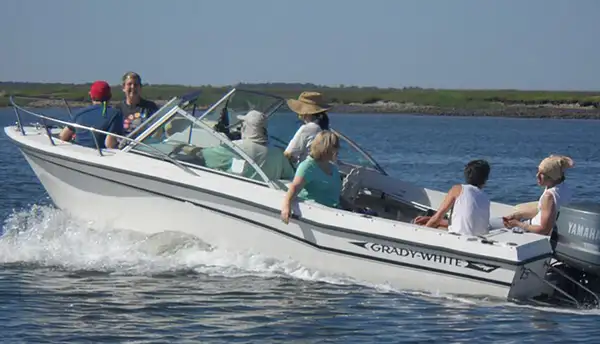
(316, 178)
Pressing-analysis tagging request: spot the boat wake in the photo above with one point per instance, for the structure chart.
(45, 237)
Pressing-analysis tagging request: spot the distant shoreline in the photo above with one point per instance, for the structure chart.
(512, 111)
(353, 99)
(391, 108)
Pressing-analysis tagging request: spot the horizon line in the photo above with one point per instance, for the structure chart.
(336, 86)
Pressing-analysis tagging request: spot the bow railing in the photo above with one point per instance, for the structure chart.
(45, 119)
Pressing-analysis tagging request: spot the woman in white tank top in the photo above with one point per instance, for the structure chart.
(541, 220)
(470, 204)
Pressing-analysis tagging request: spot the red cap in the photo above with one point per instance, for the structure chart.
(100, 90)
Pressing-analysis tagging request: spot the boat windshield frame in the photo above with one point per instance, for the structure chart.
(152, 122)
(170, 109)
(178, 106)
(19, 109)
(376, 166)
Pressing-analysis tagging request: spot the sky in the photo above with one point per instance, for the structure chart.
(468, 44)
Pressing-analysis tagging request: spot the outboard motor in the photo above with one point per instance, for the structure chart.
(576, 238)
(576, 243)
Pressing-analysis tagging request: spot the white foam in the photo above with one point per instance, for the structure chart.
(46, 236)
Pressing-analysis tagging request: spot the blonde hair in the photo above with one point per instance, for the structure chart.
(554, 166)
(324, 145)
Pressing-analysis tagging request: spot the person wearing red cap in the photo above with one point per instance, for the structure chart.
(135, 109)
(99, 116)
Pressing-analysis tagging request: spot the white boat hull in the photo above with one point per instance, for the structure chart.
(90, 194)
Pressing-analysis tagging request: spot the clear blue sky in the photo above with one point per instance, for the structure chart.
(523, 44)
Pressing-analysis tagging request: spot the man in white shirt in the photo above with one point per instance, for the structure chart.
(470, 204)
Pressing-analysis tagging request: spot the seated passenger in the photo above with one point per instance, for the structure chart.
(541, 220)
(99, 116)
(317, 178)
(312, 110)
(254, 143)
(470, 204)
(135, 109)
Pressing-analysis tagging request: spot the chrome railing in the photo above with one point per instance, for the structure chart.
(352, 144)
(361, 152)
(45, 119)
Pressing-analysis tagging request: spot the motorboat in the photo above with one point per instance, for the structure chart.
(159, 179)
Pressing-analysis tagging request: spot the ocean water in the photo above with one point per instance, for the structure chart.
(63, 282)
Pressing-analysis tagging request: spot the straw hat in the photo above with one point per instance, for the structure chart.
(308, 103)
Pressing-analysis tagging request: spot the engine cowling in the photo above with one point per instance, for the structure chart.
(576, 237)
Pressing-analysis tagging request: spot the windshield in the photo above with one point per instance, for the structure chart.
(194, 143)
(208, 138)
(157, 116)
(222, 116)
(284, 123)
(212, 142)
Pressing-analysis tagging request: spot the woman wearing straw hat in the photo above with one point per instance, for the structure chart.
(541, 219)
(312, 109)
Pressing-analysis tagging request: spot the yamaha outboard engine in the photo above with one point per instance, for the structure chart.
(576, 244)
(576, 240)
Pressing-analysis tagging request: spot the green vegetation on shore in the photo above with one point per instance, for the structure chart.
(434, 97)
(79, 92)
(341, 95)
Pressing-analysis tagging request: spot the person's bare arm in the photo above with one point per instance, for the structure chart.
(293, 189)
(524, 214)
(66, 134)
(547, 219)
(295, 146)
(438, 218)
(110, 141)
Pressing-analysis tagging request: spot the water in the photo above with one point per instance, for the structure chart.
(62, 282)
